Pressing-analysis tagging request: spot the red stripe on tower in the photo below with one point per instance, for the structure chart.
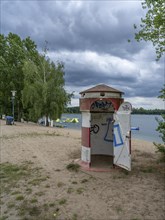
(85, 141)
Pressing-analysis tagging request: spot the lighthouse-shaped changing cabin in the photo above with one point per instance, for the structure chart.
(106, 125)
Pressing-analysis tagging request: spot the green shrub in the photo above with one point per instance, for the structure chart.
(161, 129)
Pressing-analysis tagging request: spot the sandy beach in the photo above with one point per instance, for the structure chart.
(139, 194)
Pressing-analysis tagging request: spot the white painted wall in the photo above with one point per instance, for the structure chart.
(97, 95)
(86, 117)
(86, 154)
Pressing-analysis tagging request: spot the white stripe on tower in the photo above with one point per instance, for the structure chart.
(86, 151)
(86, 117)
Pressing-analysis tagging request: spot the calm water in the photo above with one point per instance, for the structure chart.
(146, 123)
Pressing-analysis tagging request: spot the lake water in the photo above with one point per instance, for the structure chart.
(146, 123)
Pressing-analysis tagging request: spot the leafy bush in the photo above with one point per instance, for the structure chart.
(161, 129)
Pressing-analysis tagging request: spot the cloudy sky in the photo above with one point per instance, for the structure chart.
(91, 38)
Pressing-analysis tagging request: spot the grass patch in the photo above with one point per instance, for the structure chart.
(60, 184)
(26, 208)
(118, 209)
(84, 181)
(56, 213)
(74, 182)
(39, 193)
(17, 178)
(34, 200)
(80, 190)
(3, 217)
(126, 172)
(10, 205)
(52, 204)
(19, 198)
(28, 190)
(34, 211)
(15, 192)
(70, 190)
(147, 170)
(73, 167)
(134, 160)
(57, 170)
(11, 171)
(22, 208)
(32, 134)
(37, 181)
(62, 201)
(10, 174)
(46, 207)
(74, 217)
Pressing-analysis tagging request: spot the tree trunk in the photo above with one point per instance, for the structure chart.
(47, 122)
(19, 113)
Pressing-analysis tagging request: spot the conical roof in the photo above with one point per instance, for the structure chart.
(101, 88)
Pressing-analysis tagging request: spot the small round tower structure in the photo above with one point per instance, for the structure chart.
(102, 109)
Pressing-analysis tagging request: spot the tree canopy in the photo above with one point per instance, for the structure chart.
(44, 92)
(153, 25)
(39, 83)
(13, 52)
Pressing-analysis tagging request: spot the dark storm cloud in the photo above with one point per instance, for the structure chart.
(148, 84)
(91, 38)
(91, 77)
(95, 26)
(86, 68)
(135, 78)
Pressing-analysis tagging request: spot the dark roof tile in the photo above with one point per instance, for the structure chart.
(101, 88)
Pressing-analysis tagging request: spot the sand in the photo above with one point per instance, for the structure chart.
(139, 194)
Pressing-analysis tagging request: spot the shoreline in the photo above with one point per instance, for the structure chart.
(33, 129)
(78, 130)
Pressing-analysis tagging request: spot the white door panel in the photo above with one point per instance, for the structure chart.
(122, 126)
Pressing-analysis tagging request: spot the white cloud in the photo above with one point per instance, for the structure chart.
(104, 63)
(147, 103)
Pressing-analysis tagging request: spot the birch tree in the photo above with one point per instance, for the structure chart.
(44, 93)
(152, 27)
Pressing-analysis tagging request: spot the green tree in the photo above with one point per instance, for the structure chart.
(153, 29)
(161, 128)
(153, 25)
(44, 92)
(13, 52)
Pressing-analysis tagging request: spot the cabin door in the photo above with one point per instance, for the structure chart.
(101, 133)
(121, 143)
